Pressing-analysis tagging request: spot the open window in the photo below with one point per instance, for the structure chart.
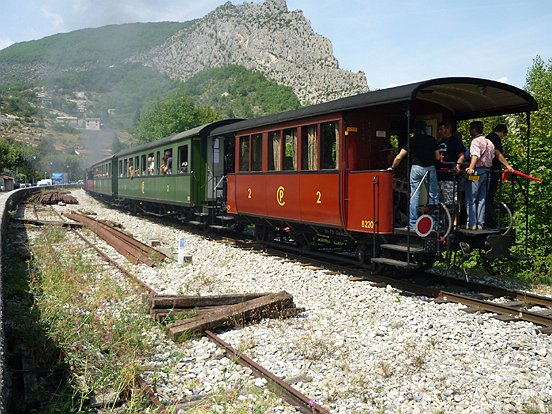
(244, 153)
(183, 159)
(329, 145)
(290, 154)
(309, 148)
(275, 151)
(256, 152)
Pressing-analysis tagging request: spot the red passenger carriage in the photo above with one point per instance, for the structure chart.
(322, 170)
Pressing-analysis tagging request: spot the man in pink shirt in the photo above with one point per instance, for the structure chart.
(482, 153)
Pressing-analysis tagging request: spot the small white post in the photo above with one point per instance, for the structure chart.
(181, 245)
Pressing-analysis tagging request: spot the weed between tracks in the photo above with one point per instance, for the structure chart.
(94, 331)
(94, 322)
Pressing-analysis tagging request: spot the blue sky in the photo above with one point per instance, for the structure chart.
(393, 42)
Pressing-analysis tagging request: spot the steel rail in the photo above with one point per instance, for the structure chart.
(123, 236)
(275, 384)
(112, 236)
(514, 313)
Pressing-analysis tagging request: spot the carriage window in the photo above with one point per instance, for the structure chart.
(256, 152)
(275, 151)
(158, 163)
(166, 162)
(137, 165)
(109, 170)
(124, 173)
(309, 148)
(121, 168)
(244, 153)
(183, 159)
(290, 155)
(144, 165)
(329, 145)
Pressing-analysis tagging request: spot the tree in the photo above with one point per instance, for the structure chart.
(539, 85)
(175, 114)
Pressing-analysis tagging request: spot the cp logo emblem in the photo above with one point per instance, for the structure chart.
(280, 196)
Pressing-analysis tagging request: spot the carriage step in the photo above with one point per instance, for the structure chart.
(402, 248)
(200, 214)
(216, 227)
(196, 223)
(397, 263)
(225, 218)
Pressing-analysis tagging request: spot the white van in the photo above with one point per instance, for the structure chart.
(42, 183)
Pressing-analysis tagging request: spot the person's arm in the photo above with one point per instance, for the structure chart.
(502, 160)
(471, 169)
(398, 159)
(459, 162)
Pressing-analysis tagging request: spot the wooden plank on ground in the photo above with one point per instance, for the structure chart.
(270, 305)
(173, 301)
(46, 223)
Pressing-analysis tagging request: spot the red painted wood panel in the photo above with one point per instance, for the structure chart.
(361, 193)
(309, 197)
(231, 194)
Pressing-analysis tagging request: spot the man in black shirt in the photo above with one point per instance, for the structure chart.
(496, 137)
(424, 152)
(452, 152)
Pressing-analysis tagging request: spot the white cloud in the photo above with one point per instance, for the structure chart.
(4, 43)
(55, 20)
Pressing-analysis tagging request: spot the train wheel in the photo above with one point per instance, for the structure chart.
(361, 253)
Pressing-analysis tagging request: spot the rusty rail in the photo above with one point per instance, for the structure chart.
(134, 250)
(275, 384)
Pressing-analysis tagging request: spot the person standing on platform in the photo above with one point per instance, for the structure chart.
(452, 152)
(424, 152)
(499, 132)
(482, 153)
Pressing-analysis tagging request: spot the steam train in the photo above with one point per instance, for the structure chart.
(318, 176)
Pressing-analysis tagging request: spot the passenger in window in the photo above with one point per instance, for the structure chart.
(184, 168)
(151, 166)
(131, 170)
(168, 164)
(424, 152)
(164, 165)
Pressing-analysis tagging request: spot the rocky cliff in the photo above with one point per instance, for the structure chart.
(266, 37)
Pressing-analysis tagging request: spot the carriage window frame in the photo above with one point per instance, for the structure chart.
(275, 152)
(256, 149)
(329, 146)
(183, 157)
(310, 151)
(244, 153)
(290, 149)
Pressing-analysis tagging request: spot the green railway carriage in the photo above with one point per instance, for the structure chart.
(100, 177)
(176, 174)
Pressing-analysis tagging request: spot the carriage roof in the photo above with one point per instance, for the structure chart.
(464, 97)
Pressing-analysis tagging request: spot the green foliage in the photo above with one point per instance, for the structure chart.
(99, 46)
(175, 114)
(16, 158)
(236, 92)
(128, 88)
(539, 84)
(18, 100)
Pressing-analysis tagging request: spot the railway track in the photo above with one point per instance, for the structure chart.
(513, 305)
(509, 305)
(124, 244)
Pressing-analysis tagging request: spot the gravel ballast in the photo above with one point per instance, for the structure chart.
(357, 348)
